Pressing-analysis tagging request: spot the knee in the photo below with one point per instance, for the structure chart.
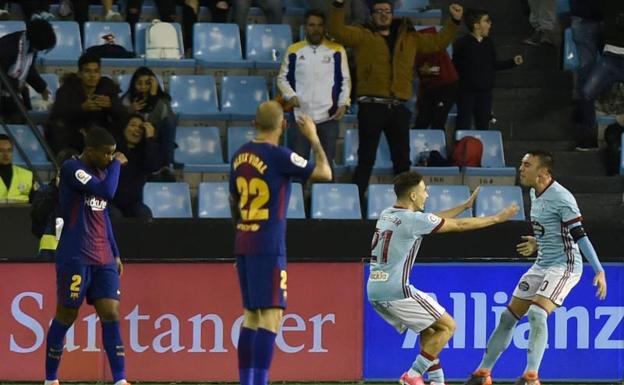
(109, 315)
(66, 315)
(537, 315)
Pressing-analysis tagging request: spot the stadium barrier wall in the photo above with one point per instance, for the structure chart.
(585, 342)
(180, 322)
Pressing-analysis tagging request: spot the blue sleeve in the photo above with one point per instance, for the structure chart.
(111, 236)
(588, 250)
(294, 165)
(81, 180)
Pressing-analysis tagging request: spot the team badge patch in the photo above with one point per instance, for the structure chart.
(524, 286)
(298, 160)
(432, 218)
(82, 176)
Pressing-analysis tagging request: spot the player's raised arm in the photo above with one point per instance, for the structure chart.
(455, 211)
(465, 224)
(322, 171)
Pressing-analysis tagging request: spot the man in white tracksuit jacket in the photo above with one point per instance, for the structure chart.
(314, 79)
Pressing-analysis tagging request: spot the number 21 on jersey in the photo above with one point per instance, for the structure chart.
(380, 245)
(254, 192)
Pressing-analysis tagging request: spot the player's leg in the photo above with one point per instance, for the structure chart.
(247, 336)
(268, 325)
(432, 341)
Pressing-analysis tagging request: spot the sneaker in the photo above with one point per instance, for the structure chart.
(480, 377)
(534, 39)
(4, 14)
(529, 378)
(406, 379)
(113, 16)
(54, 382)
(47, 16)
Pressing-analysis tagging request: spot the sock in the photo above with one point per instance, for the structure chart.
(262, 355)
(500, 339)
(421, 364)
(538, 337)
(436, 373)
(245, 355)
(54, 348)
(113, 345)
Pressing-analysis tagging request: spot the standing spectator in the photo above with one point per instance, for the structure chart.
(138, 144)
(604, 73)
(438, 88)
(166, 11)
(588, 36)
(36, 9)
(18, 52)
(16, 183)
(80, 9)
(219, 12)
(474, 56)
(613, 137)
(314, 79)
(84, 100)
(543, 19)
(272, 10)
(384, 55)
(147, 98)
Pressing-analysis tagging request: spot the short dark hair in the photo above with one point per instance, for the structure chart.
(375, 2)
(313, 12)
(40, 34)
(473, 16)
(98, 137)
(405, 181)
(5, 137)
(87, 58)
(545, 158)
(65, 154)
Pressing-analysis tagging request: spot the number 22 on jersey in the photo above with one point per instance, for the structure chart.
(380, 245)
(254, 195)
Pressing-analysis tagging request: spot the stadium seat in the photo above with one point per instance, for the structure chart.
(335, 201)
(241, 95)
(7, 27)
(380, 197)
(31, 146)
(383, 162)
(570, 52)
(444, 197)
(492, 199)
(68, 46)
(217, 45)
(41, 108)
(563, 6)
(213, 200)
(423, 141)
(168, 200)
(93, 32)
(237, 136)
(199, 149)
(296, 208)
(267, 44)
(174, 65)
(194, 97)
(416, 9)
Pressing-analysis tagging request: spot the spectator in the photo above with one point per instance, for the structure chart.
(613, 137)
(80, 9)
(543, 19)
(18, 52)
(16, 183)
(474, 56)
(314, 79)
(37, 9)
(272, 10)
(604, 73)
(437, 91)
(384, 56)
(138, 144)
(166, 11)
(4, 13)
(219, 12)
(588, 36)
(147, 98)
(84, 99)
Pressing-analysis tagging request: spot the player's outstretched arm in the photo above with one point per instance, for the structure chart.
(465, 224)
(455, 211)
(582, 240)
(322, 171)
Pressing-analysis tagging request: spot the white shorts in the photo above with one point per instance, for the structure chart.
(553, 283)
(417, 312)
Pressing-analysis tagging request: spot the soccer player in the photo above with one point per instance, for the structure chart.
(87, 258)
(558, 236)
(259, 194)
(398, 234)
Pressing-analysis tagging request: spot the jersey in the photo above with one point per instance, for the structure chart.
(551, 212)
(260, 178)
(87, 237)
(398, 235)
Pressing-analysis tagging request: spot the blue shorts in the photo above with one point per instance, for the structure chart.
(262, 281)
(75, 281)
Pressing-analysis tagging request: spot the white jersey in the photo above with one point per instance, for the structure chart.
(396, 241)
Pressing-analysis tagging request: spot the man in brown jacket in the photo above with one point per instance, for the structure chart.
(384, 55)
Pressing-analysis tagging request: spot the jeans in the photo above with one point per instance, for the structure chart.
(589, 39)
(434, 105)
(328, 135)
(543, 15)
(477, 104)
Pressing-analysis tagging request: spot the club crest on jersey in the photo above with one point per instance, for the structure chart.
(96, 204)
(82, 176)
(298, 160)
(538, 229)
(432, 218)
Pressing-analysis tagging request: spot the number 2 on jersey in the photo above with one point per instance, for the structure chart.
(381, 243)
(259, 191)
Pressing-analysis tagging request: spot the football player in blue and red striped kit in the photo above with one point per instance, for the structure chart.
(87, 258)
(260, 181)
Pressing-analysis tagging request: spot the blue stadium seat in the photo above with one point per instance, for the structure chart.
(237, 136)
(444, 197)
(335, 201)
(605, 120)
(194, 97)
(93, 32)
(383, 162)
(296, 208)
(423, 141)
(570, 52)
(492, 199)
(68, 45)
(418, 9)
(266, 41)
(241, 95)
(10, 26)
(199, 148)
(213, 200)
(139, 46)
(295, 7)
(492, 161)
(217, 45)
(31, 146)
(168, 200)
(380, 197)
(563, 6)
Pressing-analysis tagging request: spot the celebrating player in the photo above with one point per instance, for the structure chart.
(259, 195)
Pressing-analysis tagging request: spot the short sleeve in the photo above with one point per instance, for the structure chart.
(569, 211)
(294, 165)
(425, 223)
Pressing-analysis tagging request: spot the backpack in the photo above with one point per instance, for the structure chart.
(468, 152)
(161, 41)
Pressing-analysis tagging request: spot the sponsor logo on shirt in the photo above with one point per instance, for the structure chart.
(82, 176)
(96, 204)
(378, 276)
(298, 160)
(538, 229)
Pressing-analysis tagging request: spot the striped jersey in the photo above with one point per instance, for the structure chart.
(551, 212)
(396, 241)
